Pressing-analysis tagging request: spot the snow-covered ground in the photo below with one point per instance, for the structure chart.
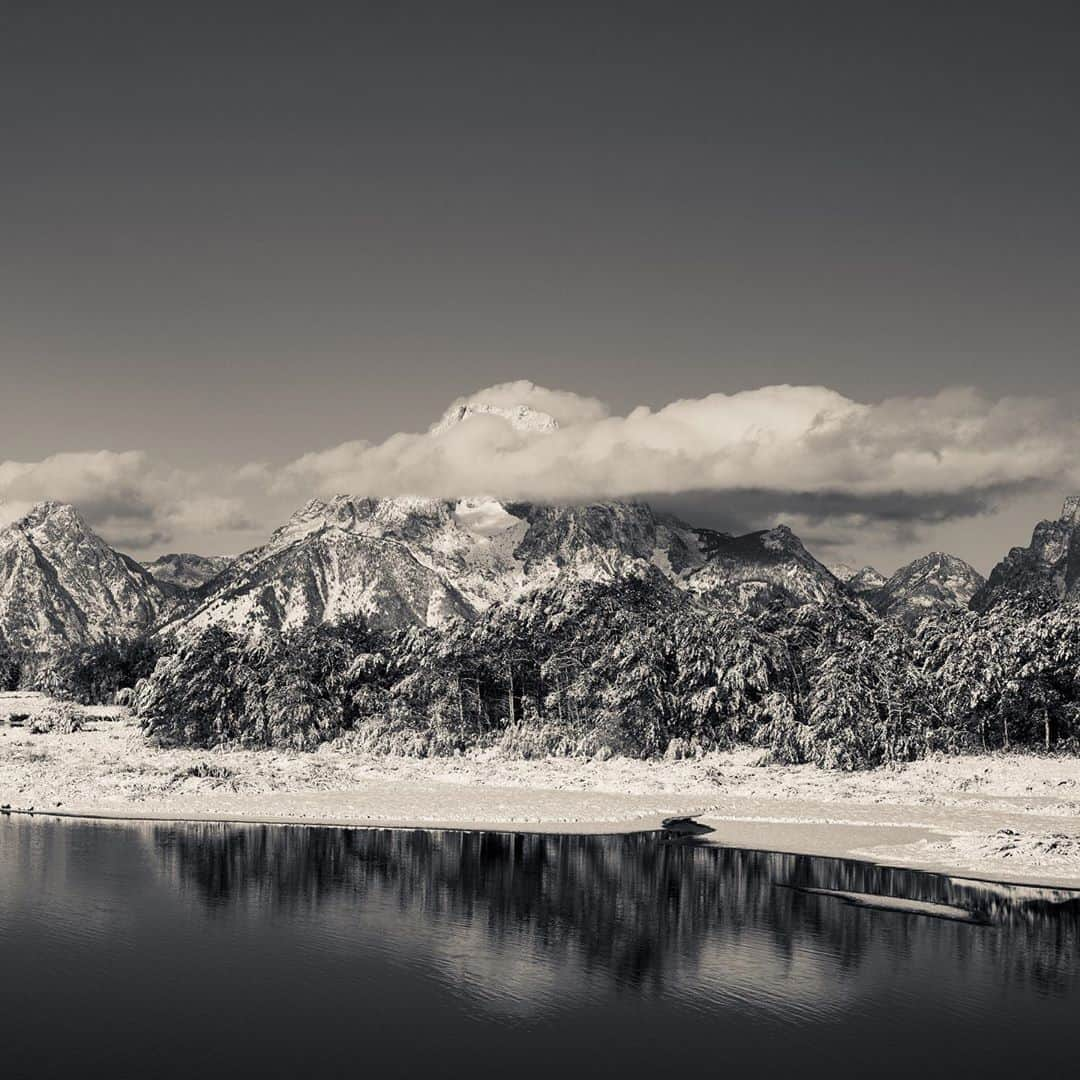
(1006, 817)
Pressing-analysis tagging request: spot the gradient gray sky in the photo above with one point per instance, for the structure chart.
(237, 233)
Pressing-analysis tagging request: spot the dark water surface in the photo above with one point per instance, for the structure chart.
(214, 950)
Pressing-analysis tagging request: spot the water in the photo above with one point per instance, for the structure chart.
(214, 950)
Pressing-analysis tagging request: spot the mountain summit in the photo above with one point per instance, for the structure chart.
(180, 572)
(519, 417)
(866, 580)
(60, 582)
(930, 585)
(1045, 572)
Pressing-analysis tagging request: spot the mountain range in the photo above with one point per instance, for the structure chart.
(419, 561)
(401, 561)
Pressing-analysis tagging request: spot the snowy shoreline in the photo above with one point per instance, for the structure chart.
(1008, 818)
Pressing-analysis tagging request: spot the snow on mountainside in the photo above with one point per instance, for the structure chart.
(761, 568)
(858, 581)
(928, 586)
(421, 561)
(402, 561)
(59, 581)
(183, 572)
(1046, 572)
(867, 580)
(335, 559)
(519, 417)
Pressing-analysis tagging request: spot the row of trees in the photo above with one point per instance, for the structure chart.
(89, 674)
(621, 668)
(602, 669)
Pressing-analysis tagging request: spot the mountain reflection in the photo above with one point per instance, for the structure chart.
(625, 912)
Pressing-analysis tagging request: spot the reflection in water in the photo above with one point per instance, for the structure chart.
(247, 950)
(637, 908)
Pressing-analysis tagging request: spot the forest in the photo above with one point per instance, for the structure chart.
(604, 669)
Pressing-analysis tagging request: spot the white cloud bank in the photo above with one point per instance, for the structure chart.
(130, 498)
(806, 452)
(782, 439)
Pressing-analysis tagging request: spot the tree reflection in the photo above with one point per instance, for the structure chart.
(635, 910)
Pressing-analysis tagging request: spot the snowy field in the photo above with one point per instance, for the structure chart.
(1006, 817)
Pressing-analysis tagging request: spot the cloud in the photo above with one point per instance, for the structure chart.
(836, 469)
(829, 518)
(807, 449)
(133, 500)
(102, 483)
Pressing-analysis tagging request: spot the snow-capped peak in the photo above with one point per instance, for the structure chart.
(57, 513)
(59, 581)
(866, 580)
(519, 417)
(933, 583)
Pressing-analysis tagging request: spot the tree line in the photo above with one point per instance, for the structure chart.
(619, 668)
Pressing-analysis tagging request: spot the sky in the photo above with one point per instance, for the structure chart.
(241, 243)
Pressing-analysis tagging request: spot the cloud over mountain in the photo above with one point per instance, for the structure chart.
(132, 499)
(902, 457)
(834, 467)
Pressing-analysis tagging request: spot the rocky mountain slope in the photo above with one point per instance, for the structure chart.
(866, 580)
(60, 582)
(1045, 572)
(519, 417)
(184, 572)
(928, 586)
(757, 569)
(419, 561)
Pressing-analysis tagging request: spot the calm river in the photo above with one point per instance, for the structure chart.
(213, 950)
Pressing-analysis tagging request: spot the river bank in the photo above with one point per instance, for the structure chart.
(1003, 817)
